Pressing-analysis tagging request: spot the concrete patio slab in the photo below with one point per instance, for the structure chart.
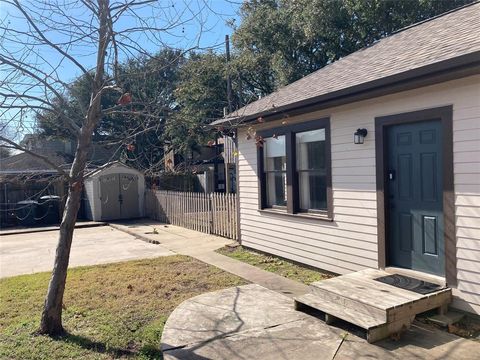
(34, 252)
(252, 322)
(220, 314)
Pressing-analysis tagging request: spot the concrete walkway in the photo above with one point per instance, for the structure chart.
(202, 247)
(28, 230)
(252, 322)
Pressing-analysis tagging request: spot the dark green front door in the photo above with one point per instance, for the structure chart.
(414, 197)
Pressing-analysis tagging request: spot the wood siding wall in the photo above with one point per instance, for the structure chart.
(349, 243)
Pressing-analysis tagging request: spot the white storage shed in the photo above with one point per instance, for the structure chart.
(114, 191)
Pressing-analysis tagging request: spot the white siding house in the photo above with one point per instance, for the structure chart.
(349, 243)
(402, 75)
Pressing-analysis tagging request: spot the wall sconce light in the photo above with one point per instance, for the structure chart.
(359, 136)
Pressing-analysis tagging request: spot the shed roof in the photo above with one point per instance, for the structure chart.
(109, 165)
(446, 41)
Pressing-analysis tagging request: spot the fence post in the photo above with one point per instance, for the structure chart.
(210, 214)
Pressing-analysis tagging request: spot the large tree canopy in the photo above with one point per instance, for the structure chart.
(201, 97)
(150, 82)
(276, 43)
(280, 41)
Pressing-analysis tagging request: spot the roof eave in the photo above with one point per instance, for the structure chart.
(458, 67)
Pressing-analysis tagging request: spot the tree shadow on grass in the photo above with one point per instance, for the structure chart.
(149, 351)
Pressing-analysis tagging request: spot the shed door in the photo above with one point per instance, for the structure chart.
(109, 196)
(415, 191)
(129, 196)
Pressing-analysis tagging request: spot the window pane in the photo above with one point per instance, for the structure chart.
(276, 188)
(313, 190)
(311, 150)
(274, 150)
(310, 147)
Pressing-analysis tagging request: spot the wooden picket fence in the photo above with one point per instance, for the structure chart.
(214, 213)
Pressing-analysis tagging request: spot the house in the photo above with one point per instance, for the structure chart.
(374, 160)
(25, 177)
(211, 168)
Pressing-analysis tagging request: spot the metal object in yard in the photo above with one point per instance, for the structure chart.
(48, 210)
(25, 212)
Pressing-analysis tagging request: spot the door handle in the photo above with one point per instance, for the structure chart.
(391, 175)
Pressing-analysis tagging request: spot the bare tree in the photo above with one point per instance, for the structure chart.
(38, 40)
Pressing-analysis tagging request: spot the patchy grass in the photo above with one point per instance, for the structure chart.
(111, 311)
(274, 264)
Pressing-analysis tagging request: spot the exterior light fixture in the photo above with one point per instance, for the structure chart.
(359, 136)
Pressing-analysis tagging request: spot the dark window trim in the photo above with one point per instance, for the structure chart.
(292, 179)
(444, 114)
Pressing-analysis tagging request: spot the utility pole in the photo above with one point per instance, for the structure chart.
(227, 140)
(229, 81)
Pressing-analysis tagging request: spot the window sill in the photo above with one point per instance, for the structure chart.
(320, 217)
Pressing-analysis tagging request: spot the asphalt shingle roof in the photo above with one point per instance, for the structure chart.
(26, 162)
(445, 37)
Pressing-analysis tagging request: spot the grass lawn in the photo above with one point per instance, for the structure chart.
(274, 264)
(111, 311)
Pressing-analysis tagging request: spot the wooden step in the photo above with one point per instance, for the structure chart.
(379, 308)
(349, 314)
(328, 296)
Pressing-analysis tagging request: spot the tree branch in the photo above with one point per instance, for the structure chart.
(48, 42)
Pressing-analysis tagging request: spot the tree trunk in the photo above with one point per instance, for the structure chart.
(51, 322)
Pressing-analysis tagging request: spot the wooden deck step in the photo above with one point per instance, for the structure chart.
(379, 308)
(340, 311)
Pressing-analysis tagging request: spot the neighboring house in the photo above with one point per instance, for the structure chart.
(98, 156)
(213, 165)
(26, 177)
(374, 160)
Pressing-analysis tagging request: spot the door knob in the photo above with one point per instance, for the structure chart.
(391, 175)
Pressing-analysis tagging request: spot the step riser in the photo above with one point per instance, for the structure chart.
(433, 302)
(366, 309)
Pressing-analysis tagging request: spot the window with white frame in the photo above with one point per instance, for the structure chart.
(311, 170)
(275, 171)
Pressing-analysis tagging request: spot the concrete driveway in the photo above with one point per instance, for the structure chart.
(35, 252)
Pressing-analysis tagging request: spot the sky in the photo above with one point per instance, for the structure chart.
(198, 24)
(201, 24)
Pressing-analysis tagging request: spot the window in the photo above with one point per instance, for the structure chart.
(275, 171)
(311, 170)
(294, 169)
